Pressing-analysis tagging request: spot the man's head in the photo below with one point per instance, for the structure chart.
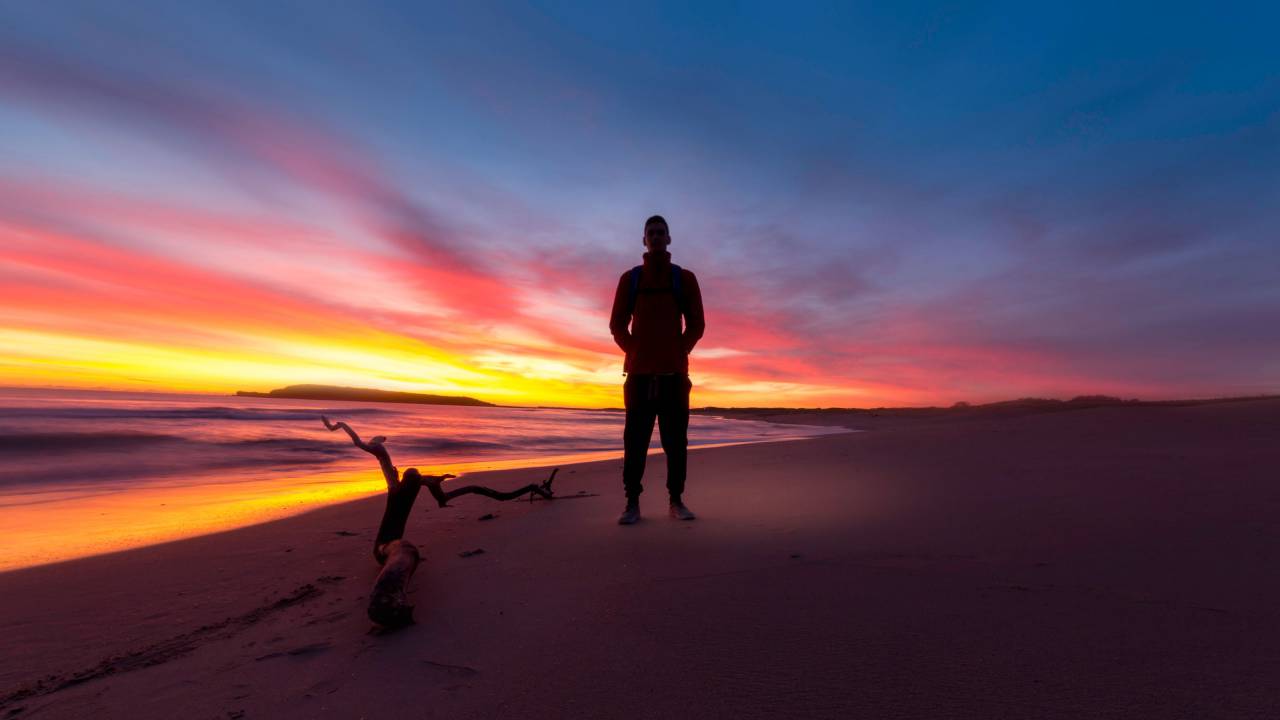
(657, 236)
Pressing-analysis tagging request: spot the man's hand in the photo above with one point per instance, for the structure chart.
(688, 343)
(625, 341)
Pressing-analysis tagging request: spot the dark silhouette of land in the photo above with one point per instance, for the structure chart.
(837, 416)
(885, 417)
(335, 392)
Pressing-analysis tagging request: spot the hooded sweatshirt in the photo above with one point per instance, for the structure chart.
(651, 335)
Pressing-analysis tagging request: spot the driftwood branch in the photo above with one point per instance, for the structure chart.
(388, 603)
(373, 447)
(443, 497)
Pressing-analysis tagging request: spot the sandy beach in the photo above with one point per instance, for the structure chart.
(1104, 563)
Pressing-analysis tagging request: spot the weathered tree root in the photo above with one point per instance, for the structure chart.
(542, 490)
(388, 603)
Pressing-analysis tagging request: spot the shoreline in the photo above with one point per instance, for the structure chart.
(279, 501)
(365, 483)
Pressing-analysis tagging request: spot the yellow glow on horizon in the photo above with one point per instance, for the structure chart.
(30, 358)
(529, 366)
(257, 360)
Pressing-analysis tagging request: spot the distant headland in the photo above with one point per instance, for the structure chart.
(334, 392)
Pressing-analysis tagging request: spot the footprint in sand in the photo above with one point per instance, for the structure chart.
(300, 651)
(325, 687)
(451, 672)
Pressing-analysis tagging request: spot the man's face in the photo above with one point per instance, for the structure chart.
(656, 238)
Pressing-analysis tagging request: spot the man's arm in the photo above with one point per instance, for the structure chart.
(620, 318)
(694, 322)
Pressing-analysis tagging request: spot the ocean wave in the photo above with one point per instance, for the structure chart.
(64, 441)
(579, 417)
(445, 444)
(194, 413)
(93, 469)
(516, 445)
(289, 445)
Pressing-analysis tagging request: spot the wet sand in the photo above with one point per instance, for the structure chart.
(1104, 562)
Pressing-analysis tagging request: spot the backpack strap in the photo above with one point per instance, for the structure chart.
(676, 277)
(635, 288)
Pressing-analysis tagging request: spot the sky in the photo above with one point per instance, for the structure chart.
(896, 204)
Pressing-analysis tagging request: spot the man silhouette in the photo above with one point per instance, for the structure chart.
(648, 307)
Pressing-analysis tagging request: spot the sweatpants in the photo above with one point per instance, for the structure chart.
(650, 397)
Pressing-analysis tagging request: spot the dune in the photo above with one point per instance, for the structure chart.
(1106, 561)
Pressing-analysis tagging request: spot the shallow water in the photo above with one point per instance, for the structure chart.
(84, 472)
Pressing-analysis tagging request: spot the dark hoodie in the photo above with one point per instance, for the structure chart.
(655, 342)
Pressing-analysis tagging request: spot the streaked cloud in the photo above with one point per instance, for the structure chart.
(915, 206)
